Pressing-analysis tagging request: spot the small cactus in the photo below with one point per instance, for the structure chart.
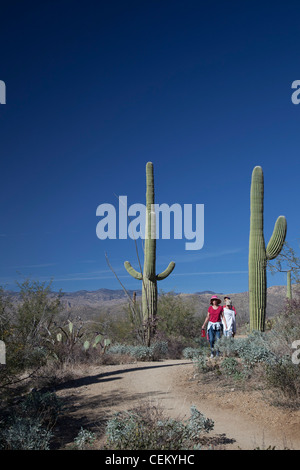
(97, 340)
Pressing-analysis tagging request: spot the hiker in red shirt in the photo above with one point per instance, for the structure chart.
(214, 320)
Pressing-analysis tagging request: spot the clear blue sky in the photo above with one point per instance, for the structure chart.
(97, 89)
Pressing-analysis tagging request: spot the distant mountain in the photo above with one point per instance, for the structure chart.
(206, 292)
(99, 295)
(113, 301)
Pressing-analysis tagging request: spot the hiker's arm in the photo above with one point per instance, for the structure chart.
(206, 320)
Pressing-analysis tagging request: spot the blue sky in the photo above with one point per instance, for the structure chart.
(97, 89)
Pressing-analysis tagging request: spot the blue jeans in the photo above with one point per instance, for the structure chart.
(213, 335)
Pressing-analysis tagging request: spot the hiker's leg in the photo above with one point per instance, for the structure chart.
(211, 335)
(218, 336)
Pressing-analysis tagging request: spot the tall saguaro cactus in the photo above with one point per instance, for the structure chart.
(149, 276)
(258, 254)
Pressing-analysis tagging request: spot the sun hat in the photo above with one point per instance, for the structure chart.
(215, 297)
(226, 297)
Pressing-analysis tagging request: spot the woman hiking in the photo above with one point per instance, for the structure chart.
(214, 319)
(229, 315)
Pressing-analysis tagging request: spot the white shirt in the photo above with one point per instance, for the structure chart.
(230, 319)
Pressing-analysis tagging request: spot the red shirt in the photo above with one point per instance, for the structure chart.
(215, 314)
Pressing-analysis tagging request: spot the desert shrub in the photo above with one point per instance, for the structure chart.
(285, 329)
(159, 349)
(26, 327)
(141, 353)
(28, 424)
(190, 353)
(84, 440)
(203, 364)
(25, 433)
(177, 316)
(229, 366)
(252, 350)
(42, 405)
(34, 319)
(175, 347)
(227, 346)
(147, 428)
(234, 369)
(284, 376)
(120, 328)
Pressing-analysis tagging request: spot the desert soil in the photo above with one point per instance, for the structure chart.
(244, 420)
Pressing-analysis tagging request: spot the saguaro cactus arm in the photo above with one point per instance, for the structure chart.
(132, 271)
(277, 239)
(166, 272)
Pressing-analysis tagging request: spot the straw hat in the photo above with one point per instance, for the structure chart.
(215, 297)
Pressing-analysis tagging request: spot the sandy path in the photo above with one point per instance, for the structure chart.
(170, 384)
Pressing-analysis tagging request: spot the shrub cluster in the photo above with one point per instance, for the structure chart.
(252, 349)
(191, 353)
(147, 428)
(28, 425)
(154, 352)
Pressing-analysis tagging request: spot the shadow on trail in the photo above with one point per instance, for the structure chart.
(92, 412)
(108, 376)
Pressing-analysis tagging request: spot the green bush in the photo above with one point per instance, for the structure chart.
(28, 425)
(84, 440)
(177, 316)
(203, 364)
(147, 429)
(285, 377)
(141, 353)
(42, 405)
(190, 353)
(25, 433)
(252, 349)
(229, 366)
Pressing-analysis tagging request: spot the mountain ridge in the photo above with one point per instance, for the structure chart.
(113, 301)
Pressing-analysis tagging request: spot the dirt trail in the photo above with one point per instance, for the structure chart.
(245, 420)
